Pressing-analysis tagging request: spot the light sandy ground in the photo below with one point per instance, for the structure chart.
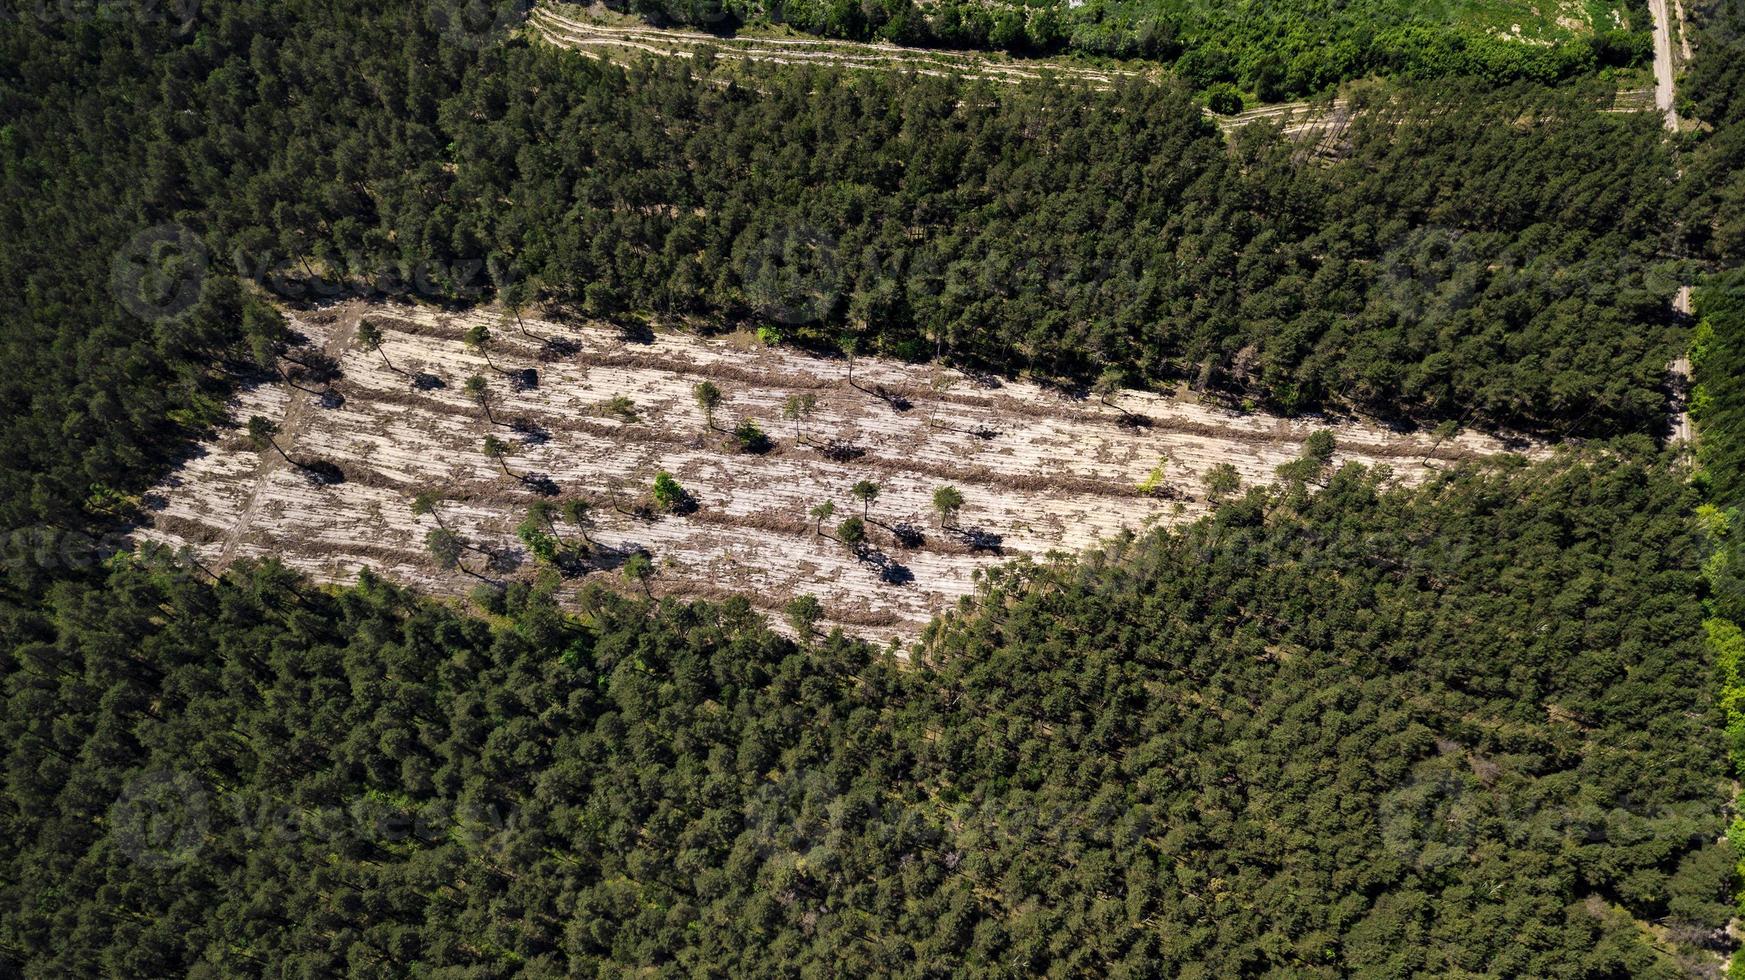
(1041, 469)
(1663, 70)
(591, 34)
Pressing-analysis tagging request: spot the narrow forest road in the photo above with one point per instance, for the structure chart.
(1663, 68)
(1678, 372)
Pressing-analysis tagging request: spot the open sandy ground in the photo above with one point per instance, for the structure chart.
(1040, 469)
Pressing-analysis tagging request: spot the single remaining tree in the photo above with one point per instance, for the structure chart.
(1444, 432)
(479, 391)
(708, 399)
(668, 495)
(821, 513)
(425, 503)
(947, 501)
(446, 547)
(798, 409)
(498, 450)
(369, 337)
(544, 514)
(1320, 446)
(941, 383)
(852, 534)
(803, 613)
(1312, 465)
(639, 569)
(539, 532)
(514, 299)
(1222, 480)
(581, 514)
(866, 491)
(262, 433)
(850, 350)
(478, 338)
(1108, 385)
(540, 543)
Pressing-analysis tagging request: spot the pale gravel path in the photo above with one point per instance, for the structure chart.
(1663, 89)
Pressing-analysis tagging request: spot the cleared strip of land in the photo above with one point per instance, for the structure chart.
(1039, 469)
(590, 32)
(599, 38)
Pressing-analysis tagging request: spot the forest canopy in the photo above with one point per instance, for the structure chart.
(1273, 50)
(1483, 255)
(1325, 731)
(1331, 729)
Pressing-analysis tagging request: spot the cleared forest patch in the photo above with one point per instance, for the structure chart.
(596, 34)
(587, 411)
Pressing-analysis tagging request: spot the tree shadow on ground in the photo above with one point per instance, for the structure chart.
(891, 571)
(982, 379)
(908, 535)
(503, 561)
(635, 332)
(838, 451)
(531, 432)
(313, 366)
(558, 348)
(321, 472)
(540, 484)
(897, 401)
(980, 539)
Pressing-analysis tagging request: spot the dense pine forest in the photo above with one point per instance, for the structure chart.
(1492, 256)
(1334, 730)
(1339, 727)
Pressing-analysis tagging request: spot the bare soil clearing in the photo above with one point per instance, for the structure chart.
(1041, 470)
(593, 35)
(599, 34)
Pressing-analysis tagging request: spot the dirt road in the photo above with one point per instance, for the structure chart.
(1663, 67)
